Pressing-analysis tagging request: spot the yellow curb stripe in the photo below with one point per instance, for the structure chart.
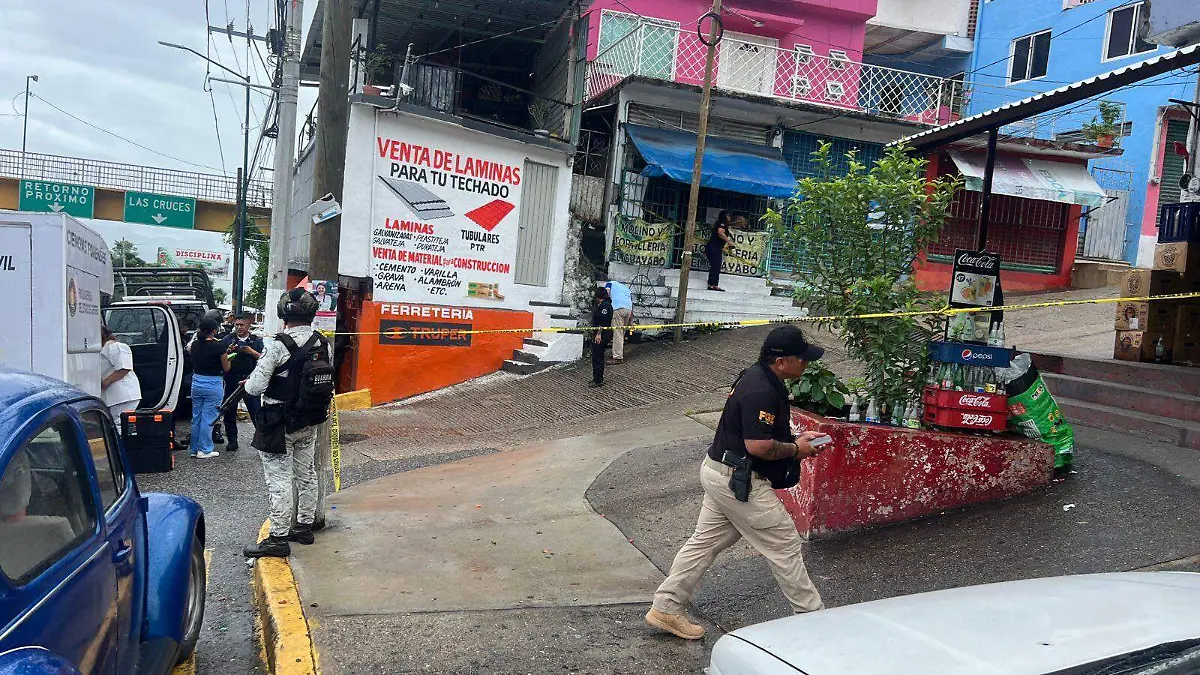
(354, 400)
(286, 640)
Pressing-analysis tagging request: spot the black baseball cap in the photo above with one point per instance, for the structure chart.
(788, 340)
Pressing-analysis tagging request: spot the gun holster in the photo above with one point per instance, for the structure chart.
(739, 482)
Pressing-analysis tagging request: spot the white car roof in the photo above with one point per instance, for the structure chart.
(1029, 627)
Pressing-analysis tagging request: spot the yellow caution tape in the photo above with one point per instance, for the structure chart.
(944, 311)
(335, 447)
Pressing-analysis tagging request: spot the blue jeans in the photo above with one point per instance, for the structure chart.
(206, 397)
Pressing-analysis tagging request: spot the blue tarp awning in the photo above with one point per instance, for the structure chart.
(728, 165)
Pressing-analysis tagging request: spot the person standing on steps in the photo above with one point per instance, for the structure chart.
(752, 454)
(295, 379)
(209, 365)
(602, 316)
(244, 349)
(715, 249)
(622, 302)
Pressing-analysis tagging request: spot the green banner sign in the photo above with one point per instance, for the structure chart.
(49, 197)
(165, 210)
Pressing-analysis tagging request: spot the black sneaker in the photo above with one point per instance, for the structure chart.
(232, 447)
(302, 534)
(271, 547)
(595, 385)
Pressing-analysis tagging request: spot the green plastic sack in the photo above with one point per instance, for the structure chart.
(1034, 413)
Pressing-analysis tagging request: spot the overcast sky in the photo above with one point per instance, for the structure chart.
(101, 61)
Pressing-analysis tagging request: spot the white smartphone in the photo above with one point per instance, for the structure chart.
(820, 440)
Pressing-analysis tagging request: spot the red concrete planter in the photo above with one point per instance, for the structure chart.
(874, 474)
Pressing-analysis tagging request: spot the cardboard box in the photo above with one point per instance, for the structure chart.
(1156, 317)
(1180, 256)
(1187, 325)
(1141, 283)
(1138, 345)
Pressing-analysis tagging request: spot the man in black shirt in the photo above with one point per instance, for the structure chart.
(755, 425)
(244, 350)
(601, 319)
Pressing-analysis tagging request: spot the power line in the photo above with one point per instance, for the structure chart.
(217, 127)
(120, 137)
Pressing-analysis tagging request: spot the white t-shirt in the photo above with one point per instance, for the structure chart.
(116, 355)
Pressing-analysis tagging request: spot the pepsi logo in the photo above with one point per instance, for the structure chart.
(966, 354)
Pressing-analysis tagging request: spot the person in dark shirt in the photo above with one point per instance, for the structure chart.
(755, 424)
(243, 350)
(209, 365)
(602, 316)
(715, 248)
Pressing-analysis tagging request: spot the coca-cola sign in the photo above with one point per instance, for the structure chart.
(974, 401)
(976, 420)
(975, 279)
(978, 262)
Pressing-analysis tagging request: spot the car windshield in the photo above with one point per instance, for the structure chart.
(1176, 658)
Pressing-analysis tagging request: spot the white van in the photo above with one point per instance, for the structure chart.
(55, 270)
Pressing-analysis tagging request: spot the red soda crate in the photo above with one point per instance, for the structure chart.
(965, 419)
(965, 400)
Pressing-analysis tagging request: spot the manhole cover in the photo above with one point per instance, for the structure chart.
(352, 438)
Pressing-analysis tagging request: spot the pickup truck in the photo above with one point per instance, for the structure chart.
(95, 577)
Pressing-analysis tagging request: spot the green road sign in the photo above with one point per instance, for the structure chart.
(165, 210)
(49, 197)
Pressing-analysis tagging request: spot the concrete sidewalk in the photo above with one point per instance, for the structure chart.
(504, 531)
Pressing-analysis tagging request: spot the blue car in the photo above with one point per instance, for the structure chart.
(95, 578)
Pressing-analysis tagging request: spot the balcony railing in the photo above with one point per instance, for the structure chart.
(668, 53)
(118, 176)
(1078, 122)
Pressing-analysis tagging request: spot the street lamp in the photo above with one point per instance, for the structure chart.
(25, 124)
(239, 237)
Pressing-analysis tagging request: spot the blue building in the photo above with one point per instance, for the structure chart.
(1023, 47)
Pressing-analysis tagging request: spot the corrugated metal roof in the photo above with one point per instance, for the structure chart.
(1055, 98)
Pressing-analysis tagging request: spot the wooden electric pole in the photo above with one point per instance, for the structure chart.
(333, 118)
(689, 234)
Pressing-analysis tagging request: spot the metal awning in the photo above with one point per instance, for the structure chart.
(1055, 98)
(1032, 179)
(728, 165)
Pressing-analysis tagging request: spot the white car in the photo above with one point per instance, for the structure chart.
(1097, 624)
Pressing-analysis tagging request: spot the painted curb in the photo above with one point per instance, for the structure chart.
(286, 641)
(353, 400)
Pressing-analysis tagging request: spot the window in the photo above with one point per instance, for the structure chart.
(834, 91)
(804, 53)
(1030, 56)
(801, 86)
(135, 325)
(110, 474)
(1123, 38)
(45, 504)
(838, 58)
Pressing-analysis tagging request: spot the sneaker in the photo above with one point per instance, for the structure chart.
(271, 547)
(302, 534)
(206, 455)
(675, 624)
(231, 448)
(595, 385)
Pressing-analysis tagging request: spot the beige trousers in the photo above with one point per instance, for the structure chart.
(620, 321)
(765, 524)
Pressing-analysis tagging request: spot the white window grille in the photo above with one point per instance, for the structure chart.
(804, 53)
(838, 58)
(800, 86)
(834, 91)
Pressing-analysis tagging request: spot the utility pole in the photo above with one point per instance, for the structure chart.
(333, 118)
(324, 239)
(25, 123)
(285, 156)
(685, 265)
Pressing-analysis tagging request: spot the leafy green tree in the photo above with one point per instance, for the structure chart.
(125, 254)
(220, 295)
(258, 249)
(858, 235)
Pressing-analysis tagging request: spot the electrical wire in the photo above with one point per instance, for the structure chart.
(120, 137)
(217, 128)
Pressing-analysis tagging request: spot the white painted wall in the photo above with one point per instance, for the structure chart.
(940, 17)
(367, 202)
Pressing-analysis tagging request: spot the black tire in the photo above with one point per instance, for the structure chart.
(197, 591)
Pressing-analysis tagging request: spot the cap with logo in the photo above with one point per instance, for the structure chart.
(788, 340)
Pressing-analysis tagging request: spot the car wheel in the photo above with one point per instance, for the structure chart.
(197, 589)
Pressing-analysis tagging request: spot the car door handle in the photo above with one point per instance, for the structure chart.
(123, 554)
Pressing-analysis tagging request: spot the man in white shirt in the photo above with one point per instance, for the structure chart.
(119, 385)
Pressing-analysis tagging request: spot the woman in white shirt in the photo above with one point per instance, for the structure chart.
(119, 385)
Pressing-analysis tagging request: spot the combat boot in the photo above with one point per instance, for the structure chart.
(675, 624)
(271, 547)
(302, 534)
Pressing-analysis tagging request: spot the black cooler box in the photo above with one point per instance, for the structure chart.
(149, 440)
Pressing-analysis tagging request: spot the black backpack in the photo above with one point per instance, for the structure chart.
(310, 381)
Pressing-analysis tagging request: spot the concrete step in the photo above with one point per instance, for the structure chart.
(698, 280)
(1151, 401)
(527, 355)
(1168, 379)
(1176, 432)
(520, 368)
